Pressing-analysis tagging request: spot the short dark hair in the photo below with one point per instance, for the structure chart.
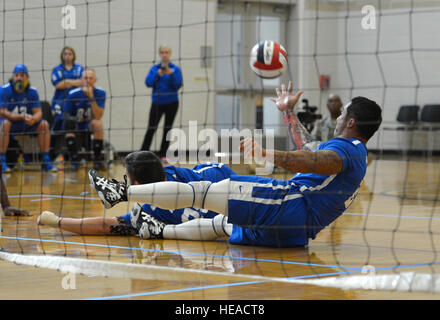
(144, 167)
(368, 116)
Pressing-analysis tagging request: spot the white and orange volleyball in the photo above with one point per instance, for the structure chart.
(268, 59)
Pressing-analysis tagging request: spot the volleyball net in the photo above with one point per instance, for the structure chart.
(383, 50)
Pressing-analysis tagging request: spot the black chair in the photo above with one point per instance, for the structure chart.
(407, 121)
(430, 117)
(408, 115)
(430, 113)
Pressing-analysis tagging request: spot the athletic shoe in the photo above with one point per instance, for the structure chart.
(5, 168)
(151, 227)
(49, 167)
(110, 192)
(148, 227)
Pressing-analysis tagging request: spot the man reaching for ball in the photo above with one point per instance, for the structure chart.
(265, 211)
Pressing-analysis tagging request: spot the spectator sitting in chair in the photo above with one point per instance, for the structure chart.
(83, 111)
(21, 112)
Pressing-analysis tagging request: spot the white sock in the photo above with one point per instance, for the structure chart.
(172, 195)
(48, 218)
(199, 229)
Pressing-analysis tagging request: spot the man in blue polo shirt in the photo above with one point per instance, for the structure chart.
(166, 79)
(21, 112)
(83, 111)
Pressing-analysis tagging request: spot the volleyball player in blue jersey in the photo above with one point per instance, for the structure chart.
(65, 77)
(145, 167)
(265, 211)
(21, 113)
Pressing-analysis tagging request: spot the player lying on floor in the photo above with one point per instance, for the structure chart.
(264, 211)
(145, 167)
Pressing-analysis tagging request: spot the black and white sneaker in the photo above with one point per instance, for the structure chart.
(148, 227)
(110, 192)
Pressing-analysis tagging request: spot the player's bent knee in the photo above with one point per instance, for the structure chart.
(96, 125)
(6, 125)
(221, 226)
(43, 126)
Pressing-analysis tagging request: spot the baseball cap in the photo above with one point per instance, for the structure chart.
(20, 68)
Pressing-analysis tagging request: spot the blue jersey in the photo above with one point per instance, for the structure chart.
(19, 103)
(164, 87)
(213, 172)
(60, 73)
(209, 171)
(327, 196)
(78, 105)
(280, 213)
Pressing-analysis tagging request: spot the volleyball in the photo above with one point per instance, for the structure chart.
(268, 59)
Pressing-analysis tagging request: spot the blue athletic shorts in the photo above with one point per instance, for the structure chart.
(266, 212)
(22, 127)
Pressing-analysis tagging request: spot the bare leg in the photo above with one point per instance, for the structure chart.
(43, 136)
(87, 226)
(97, 129)
(4, 139)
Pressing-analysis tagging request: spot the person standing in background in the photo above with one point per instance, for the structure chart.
(166, 79)
(325, 127)
(65, 76)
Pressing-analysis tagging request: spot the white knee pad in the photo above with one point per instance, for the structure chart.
(200, 188)
(221, 226)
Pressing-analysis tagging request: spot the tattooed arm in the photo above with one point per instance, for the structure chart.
(304, 161)
(286, 101)
(319, 162)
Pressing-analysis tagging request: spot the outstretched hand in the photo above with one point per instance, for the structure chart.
(286, 100)
(11, 211)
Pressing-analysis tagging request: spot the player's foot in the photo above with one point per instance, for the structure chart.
(110, 192)
(151, 228)
(6, 168)
(49, 167)
(48, 218)
(148, 227)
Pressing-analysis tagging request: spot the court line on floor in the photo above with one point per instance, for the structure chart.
(180, 253)
(390, 216)
(133, 295)
(93, 198)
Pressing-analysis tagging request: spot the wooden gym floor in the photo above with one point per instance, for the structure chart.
(393, 226)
